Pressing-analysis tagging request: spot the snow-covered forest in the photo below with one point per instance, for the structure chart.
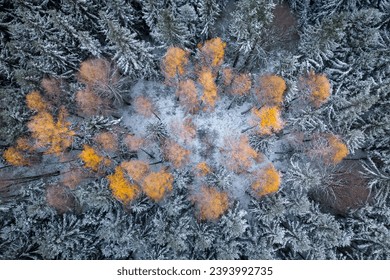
(199, 129)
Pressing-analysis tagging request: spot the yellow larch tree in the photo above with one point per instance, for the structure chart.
(136, 169)
(202, 169)
(211, 203)
(24, 144)
(15, 157)
(240, 155)
(187, 94)
(267, 181)
(20, 154)
(36, 102)
(174, 63)
(92, 159)
(176, 154)
(271, 90)
(207, 80)
(338, 150)
(55, 136)
(269, 119)
(121, 188)
(319, 88)
(212, 52)
(157, 184)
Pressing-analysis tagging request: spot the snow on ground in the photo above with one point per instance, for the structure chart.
(216, 125)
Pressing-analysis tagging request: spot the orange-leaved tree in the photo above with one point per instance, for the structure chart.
(92, 159)
(20, 154)
(318, 87)
(144, 106)
(107, 141)
(187, 94)
(174, 63)
(121, 188)
(36, 102)
(134, 142)
(267, 181)
(269, 119)
(54, 136)
(176, 154)
(207, 80)
(212, 52)
(136, 169)
(95, 71)
(240, 155)
(157, 184)
(90, 103)
(271, 90)
(211, 203)
(202, 169)
(337, 149)
(16, 157)
(327, 147)
(102, 78)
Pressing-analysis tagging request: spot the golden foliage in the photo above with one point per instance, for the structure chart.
(23, 144)
(271, 90)
(174, 62)
(133, 142)
(107, 141)
(187, 94)
(144, 106)
(270, 120)
(15, 157)
(207, 80)
(89, 103)
(35, 101)
(92, 159)
(211, 203)
(202, 169)
(267, 181)
(241, 84)
(157, 184)
(337, 150)
(121, 188)
(212, 52)
(136, 169)
(53, 135)
(240, 155)
(94, 71)
(176, 154)
(330, 148)
(319, 87)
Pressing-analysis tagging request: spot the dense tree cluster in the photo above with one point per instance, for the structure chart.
(202, 129)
